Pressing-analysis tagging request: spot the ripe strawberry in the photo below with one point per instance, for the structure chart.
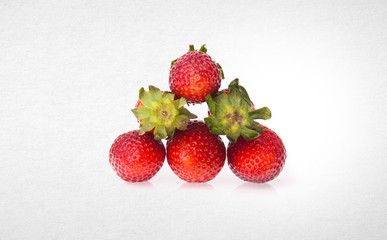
(136, 158)
(196, 155)
(232, 114)
(194, 75)
(161, 113)
(258, 160)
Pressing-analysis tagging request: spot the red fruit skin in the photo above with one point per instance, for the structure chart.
(226, 92)
(259, 160)
(196, 155)
(136, 158)
(139, 104)
(194, 75)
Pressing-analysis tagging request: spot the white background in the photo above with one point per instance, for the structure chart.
(70, 73)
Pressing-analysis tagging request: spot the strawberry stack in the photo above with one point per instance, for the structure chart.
(194, 151)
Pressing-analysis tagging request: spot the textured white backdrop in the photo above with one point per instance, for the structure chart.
(70, 73)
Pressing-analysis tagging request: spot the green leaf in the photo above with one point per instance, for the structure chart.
(160, 132)
(145, 126)
(222, 100)
(222, 103)
(179, 103)
(245, 106)
(191, 48)
(145, 98)
(142, 112)
(246, 102)
(262, 113)
(255, 126)
(221, 70)
(170, 132)
(215, 126)
(234, 83)
(181, 122)
(168, 95)
(211, 104)
(217, 131)
(233, 137)
(155, 93)
(211, 121)
(203, 48)
(184, 111)
(234, 95)
(249, 134)
(220, 112)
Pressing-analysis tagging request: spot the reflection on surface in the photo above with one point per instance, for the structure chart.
(138, 185)
(201, 186)
(248, 187)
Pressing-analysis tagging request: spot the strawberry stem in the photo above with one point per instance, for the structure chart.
(203, 48)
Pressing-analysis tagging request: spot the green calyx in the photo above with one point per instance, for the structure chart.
(162, 113)
(201, 49)
(232, 115)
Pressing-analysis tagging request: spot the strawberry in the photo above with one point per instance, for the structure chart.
(194, 75)
(196, 155)
(136, 158)
(232, 114)
(258, 160)
(161, 113)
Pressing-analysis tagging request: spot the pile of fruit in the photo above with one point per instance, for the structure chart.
(194, 150)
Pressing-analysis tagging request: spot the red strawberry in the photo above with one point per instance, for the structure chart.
(136, 158)
(258, 160)
(196, 155)
(161, 113)
(194, 75)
